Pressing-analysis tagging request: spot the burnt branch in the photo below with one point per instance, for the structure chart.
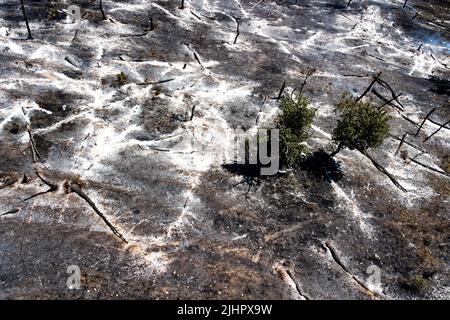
(383, 170)
(386, 85)
(369, 87)
(400, 144)
(103, 11)
(22, 5)
(387, 101)
(423, 122)
(407, 143)
(437, 123)
(52, 187)
(9, 212)
(196, 15)
(238, 22)
(34, 152)
(427, 166)
(280, 94)
(73, 187)
(439, 129)
(192, 113)
(339, 262)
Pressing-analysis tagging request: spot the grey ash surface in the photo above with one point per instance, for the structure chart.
(191, 231)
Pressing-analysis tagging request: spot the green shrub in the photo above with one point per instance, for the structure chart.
(293, 123)
(121, 78)
(361, 125)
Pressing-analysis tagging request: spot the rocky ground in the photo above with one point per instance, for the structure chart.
(109, 105)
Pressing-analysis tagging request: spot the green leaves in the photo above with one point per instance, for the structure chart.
(361, 125)
(121, 78)
(293, 124)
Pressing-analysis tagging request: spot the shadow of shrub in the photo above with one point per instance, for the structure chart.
(321, 165)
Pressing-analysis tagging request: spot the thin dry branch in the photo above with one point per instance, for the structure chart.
(439, 129)
(423, 122)
(238, 22)
(9, 212)
(386, 85)
(22, 5)
(400, 144)
(73, 187)
(103, 12)
(339, 262)
(387, 101)
(427, 166)
(280, 94)
(383, 170)
(369, 87)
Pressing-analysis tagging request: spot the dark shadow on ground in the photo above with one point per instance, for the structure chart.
(321, 165)
(441, 86)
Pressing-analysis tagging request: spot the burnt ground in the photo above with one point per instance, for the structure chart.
(193, 229)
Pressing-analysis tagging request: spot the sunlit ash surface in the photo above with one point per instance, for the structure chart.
(112, 106)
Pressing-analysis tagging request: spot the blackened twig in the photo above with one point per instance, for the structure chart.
(400, 144)
(415, 16)
(76, 189)
(26, 20)
(442, 126)
(52, 187)
(369, 87)
(421, 125)
(192, 113)
(383, 170)
(9, 212)
(407, 143)
(386, 101)
(103, 12)
(155, 82)
(196, 15)
(237, 29)
(35, 153)
(386, 85)
(427, 166)
(281, 91)
(437, 123)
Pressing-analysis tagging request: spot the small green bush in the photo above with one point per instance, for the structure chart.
(121, 78)
(361, 125)
(293, 123)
